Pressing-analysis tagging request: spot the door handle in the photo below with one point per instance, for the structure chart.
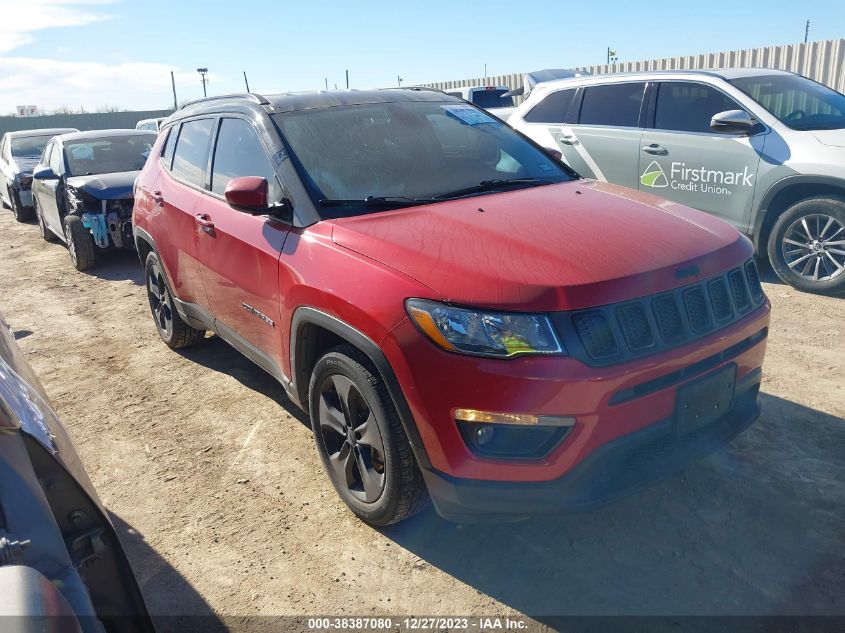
(569, 140)
(205, 222)
(158, 199)
(655, 149)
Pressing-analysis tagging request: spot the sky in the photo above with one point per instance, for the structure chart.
(94, 53)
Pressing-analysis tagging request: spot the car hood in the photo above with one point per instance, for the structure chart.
(834, 138)
(114, 186)
(555, 247)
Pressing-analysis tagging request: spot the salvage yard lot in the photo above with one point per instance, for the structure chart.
(219, 496)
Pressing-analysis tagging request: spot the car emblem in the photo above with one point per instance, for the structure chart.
(689, 271)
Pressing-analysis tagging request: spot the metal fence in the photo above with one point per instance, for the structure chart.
(93, 121)
(823, 61)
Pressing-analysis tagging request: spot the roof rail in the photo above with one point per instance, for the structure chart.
(252, 96)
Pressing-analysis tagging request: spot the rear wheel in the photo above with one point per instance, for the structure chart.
(361, 441)
(21, 213)
(80, 243)
(807, 245)
(46, 234)
(172, 329)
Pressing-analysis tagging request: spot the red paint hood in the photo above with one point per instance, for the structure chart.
(554, 247)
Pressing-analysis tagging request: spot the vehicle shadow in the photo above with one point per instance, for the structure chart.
(214, 353)
(756, 528)
(172, 601)
(117, 265)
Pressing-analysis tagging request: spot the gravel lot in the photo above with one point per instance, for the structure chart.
(219, 497)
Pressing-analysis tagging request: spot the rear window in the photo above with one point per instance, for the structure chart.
(553, 109)
(491, 99)
(190, 159)
(29, 146)
(612, 104)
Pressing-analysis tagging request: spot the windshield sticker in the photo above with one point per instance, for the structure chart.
(468, 114)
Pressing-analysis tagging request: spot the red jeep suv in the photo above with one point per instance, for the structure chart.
(462, 316)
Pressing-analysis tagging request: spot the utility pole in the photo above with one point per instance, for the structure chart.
(347, 79)
(398, 81)
(173, 83)
(246, 82)
(203, 72)
(485, 73)
(806, 31)
(611, 56)
(327, 83)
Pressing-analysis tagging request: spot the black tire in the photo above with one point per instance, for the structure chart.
(22, 214)
(46, 234)
(813, 265)
(402, 492)
(80, 243)
(170, 326)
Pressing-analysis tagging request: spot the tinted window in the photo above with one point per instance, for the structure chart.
(56, 161)
(240, 153)
(553, 109)
(414, 149)
(491, 99)
(613, 104)
(688, 107)
(191, 155)
(796, 101)
(45, 157)
(169, 145)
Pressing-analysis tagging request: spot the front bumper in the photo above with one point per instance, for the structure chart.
(618, 467)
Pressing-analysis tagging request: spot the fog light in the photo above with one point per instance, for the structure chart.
(484, 434)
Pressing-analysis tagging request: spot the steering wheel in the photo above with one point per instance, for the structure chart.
(794, 115)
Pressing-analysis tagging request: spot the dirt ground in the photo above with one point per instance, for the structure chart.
(220, 499)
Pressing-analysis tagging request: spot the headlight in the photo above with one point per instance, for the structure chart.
(484, 333)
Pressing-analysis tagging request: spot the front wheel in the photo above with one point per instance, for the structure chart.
(361, 441)
(172, 329)
(807, 245)
(80, 243)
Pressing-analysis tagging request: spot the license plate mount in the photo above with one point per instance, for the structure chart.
(705, 400)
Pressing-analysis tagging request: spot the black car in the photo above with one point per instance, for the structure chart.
(82, 190)
(62, 567)
(19, 153)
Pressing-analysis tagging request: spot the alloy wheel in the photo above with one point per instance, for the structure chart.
(160, 302)
(353, 442)
(814, 247)
(71, 248)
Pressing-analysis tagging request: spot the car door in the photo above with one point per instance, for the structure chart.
(238, 251)
(51, 190)
(549, 123)
(176, 192)
(684, 160)
(608, 130)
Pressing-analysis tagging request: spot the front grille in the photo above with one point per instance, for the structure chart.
(618, 332)
(635, 326)
(720, 299)
(595, 333)
(740, 293)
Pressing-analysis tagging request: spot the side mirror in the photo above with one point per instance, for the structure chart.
(44, 173)
(556, 153)
(732, 122)
(249, 193)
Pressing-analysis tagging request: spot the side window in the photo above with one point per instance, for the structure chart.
(612, 104)
(56, 163)
(553, 109)
(190, 157)
(3, 144)
(169, 145)
(238, 153)
(688, 107)
(45, 157)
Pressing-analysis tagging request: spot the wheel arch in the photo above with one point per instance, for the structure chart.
(314, 332)
(785, 193)
(144, 244)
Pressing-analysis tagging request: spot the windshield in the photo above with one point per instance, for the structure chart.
(29, 146)
(491, 99)
(414, 150)
(797, 102)
(108, 154)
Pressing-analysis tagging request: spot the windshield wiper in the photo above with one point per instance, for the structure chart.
(493, 185)
(374, 201)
